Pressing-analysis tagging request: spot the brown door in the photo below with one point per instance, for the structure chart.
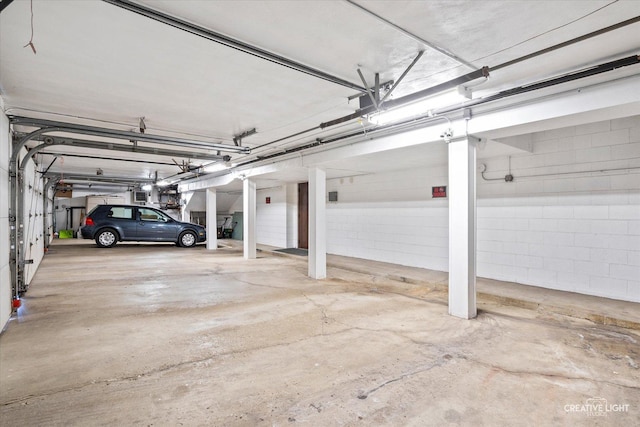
(303, 215)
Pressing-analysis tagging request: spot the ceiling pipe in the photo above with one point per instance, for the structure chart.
(568, 43)
(101, 145)
(48, 126)
(231, 42)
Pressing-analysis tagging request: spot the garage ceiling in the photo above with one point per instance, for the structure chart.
(102, 65)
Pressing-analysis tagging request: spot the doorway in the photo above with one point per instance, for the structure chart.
(303, 215)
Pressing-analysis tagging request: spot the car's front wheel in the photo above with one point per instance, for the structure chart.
(187, 239)
(106, 238)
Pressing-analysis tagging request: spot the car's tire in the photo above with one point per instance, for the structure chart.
(107, 238)
(187, 239)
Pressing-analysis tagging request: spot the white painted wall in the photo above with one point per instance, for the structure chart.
(271, 219)
(5, 271)
(577, 232)
(390, 217)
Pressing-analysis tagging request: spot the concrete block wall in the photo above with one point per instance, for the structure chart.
(271, 218)
(5, 271)
(561, 229)
(558, 227)
(390, 217)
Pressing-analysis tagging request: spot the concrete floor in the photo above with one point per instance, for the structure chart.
(159, 335)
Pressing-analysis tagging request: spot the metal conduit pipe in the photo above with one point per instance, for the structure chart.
(568, 43)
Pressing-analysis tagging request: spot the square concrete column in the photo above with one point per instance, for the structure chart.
(249, 218)
(292, 215)
(317, 224)
(462, 228)
(212, 219)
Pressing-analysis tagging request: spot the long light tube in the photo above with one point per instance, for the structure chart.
(416, 109)
(215, 167)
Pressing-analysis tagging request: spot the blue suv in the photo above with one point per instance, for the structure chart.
(108, 224)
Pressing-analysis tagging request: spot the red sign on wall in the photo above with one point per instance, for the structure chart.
(268, 200)
(439, 191)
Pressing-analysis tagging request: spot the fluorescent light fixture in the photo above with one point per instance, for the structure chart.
(215, 167)
(162, 183)
(417, 109)
(147, 187)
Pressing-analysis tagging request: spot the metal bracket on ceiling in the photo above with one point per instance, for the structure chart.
(374, 95)
(237, 139)
(374, 92)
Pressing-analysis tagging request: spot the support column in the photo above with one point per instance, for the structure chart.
(317, 224)
(291, 191)
(212, 219)
(249, 218)
(462, 228)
